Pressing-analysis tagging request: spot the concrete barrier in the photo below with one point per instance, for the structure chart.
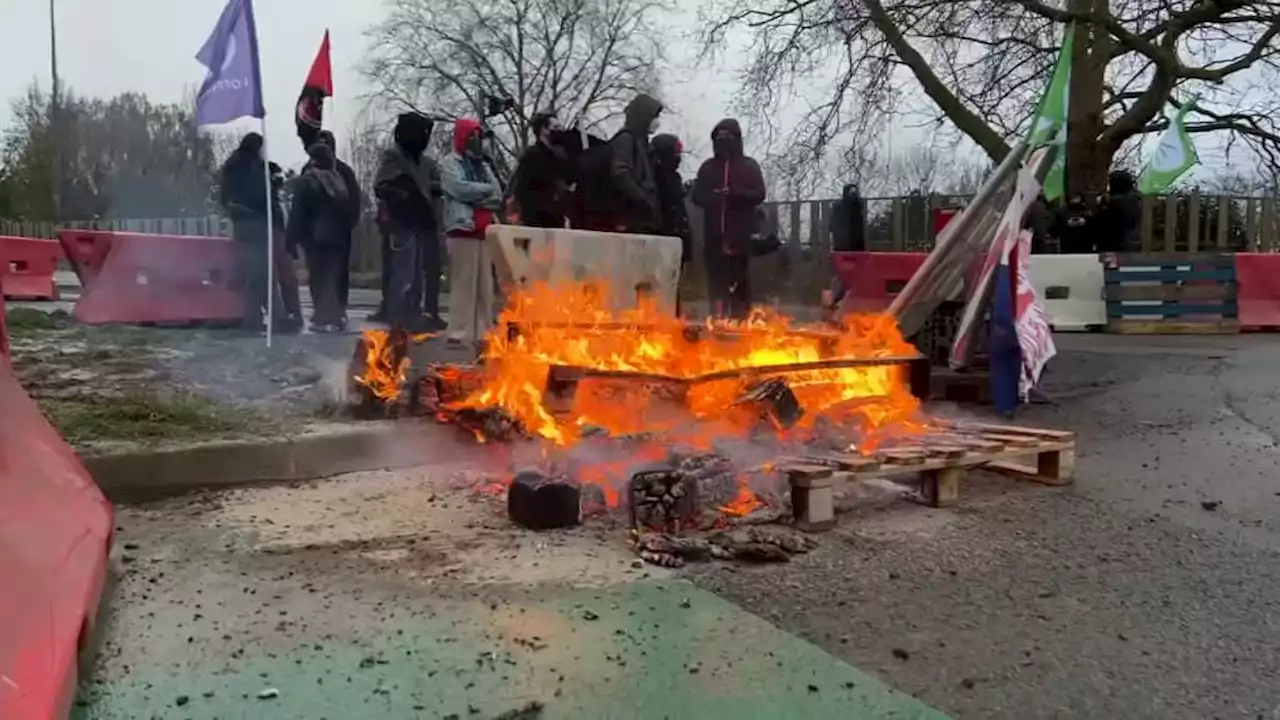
(1071, 287)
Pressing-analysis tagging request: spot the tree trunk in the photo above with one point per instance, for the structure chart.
(1088, 161)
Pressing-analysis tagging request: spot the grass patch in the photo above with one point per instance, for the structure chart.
(26, 321)
(146, 417)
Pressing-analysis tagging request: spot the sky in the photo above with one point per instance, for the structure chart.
(149, 46)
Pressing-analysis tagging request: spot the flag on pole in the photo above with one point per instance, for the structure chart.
(232, 88)
(1175, 154)
(309, 113)
(1050, 124)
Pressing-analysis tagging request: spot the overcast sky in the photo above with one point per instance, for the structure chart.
(110, 46)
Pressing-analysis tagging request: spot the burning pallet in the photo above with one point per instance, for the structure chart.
(940, 458)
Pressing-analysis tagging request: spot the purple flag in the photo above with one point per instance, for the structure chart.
(233, 87)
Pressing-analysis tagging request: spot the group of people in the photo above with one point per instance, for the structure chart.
(630, 183)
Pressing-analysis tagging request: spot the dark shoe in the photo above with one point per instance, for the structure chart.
(434, 323)
(326, 328)
(380, 316)
(288, 325)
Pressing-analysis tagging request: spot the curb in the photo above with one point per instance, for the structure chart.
(323, 452)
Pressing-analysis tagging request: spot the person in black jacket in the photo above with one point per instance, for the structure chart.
(319, 223)
(408, 187)
(1075, 228)
(630, 170)
(729, 189)
(666, 151)
(544, 176)
(355, 206)
(1120, 214)
(242, 194)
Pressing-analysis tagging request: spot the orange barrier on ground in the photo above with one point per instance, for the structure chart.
(1258, 290)
(874, 278)
(85, 250)
(171, 279)
(55, 533)
(29, 266)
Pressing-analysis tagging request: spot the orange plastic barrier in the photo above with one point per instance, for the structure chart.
(29, 266)
(171, 279)
(873, 279)
(85, 250)
(55, 533)
(1258, 290)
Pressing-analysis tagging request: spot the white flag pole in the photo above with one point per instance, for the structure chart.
(271, 235)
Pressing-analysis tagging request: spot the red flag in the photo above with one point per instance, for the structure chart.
(309, 115)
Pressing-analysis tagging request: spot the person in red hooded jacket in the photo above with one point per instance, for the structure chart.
(729, 189)
(472, 198)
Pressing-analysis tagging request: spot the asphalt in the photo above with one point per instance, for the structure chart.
(1148, 589)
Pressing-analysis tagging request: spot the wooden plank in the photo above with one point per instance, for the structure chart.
(1193, 221)
(1047, 433)
(1253, 243)
(565, 373)
(903, 457)
(1148, 259)
(1171, 224)
(1121, 293)
(1122, 326)
(1014, 440)
(1270, 226)
(1224, 221)
(1208, 309)
(1168, 275)
(972, 443)
(1148, 223)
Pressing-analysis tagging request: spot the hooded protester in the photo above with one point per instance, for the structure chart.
(319, 223)
(729, 188)
(544, 176)
(848, 234)
(408, 185)
(1120, 214)
(472, 198)
(1075, 228)
(244, 198)
(355, 205)
(666, 151)
(631, 172)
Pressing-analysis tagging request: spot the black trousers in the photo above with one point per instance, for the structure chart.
(344, 278)
(251, 244)
(326, 267)
(729, 284)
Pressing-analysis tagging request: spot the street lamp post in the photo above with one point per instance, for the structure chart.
(55, 114)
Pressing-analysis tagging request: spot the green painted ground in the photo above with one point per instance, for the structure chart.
(644, 650)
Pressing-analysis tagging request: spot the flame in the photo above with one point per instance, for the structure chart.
(571, 325)
(745, 502)
(386, 360)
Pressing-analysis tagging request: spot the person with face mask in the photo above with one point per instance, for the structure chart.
(544, 176)
(472, 198)
(408, 188)
(631, 172)
(319, 223)
(665, 152)
(354, 206)
(243, 196)
(729, 188)
(1073, 225)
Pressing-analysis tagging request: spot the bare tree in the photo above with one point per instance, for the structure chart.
(583, 59)
(982, 65)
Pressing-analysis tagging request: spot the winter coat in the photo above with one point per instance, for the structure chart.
(634, 186)
(320, 216)
(468, 183)
(665, 151)
(729, 220)
(408, 191)
(355, 198)
(541, 186)
(1075, 229)
(848, 230)
(242, 193)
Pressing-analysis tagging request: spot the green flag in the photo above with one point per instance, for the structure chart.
(1175, 154)
(1050, 125)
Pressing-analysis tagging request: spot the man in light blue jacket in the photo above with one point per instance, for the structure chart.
(472, 198)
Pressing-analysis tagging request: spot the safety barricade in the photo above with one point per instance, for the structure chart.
(1258, 278)
(873, 279)
(161, 279)
(1170, 293)
(29, 266)
(1071, 288)
(85, 250)
(55, 535)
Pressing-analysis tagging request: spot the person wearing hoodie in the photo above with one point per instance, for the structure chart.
(665, 152)
(243, 196)
(355, 205)
(472, 198)
(319, 223)
(729, 188)
(631, 172)
(407, 187)
(544, 176)
(1120, 214)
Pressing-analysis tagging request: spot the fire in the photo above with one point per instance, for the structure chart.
(745, 502)
(386, 360)
(570, 325)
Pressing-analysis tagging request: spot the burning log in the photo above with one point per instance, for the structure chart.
(661, 496)
(711, 477)
(775, 403)
(443, 385)
(492, 424)
(377, 371)
(540, 502)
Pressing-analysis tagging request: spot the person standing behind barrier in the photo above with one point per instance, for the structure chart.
(355, 205)
(319, 223)
(472, 198)
(1120, 214)
(729, 188)
(244, 198)
(544, 176)
(407, 184)
(665, 153)
(631, 174)
(848, 234)
(1074, 227)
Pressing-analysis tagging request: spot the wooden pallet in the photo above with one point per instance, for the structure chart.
(1170, 293)
(942, 456)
